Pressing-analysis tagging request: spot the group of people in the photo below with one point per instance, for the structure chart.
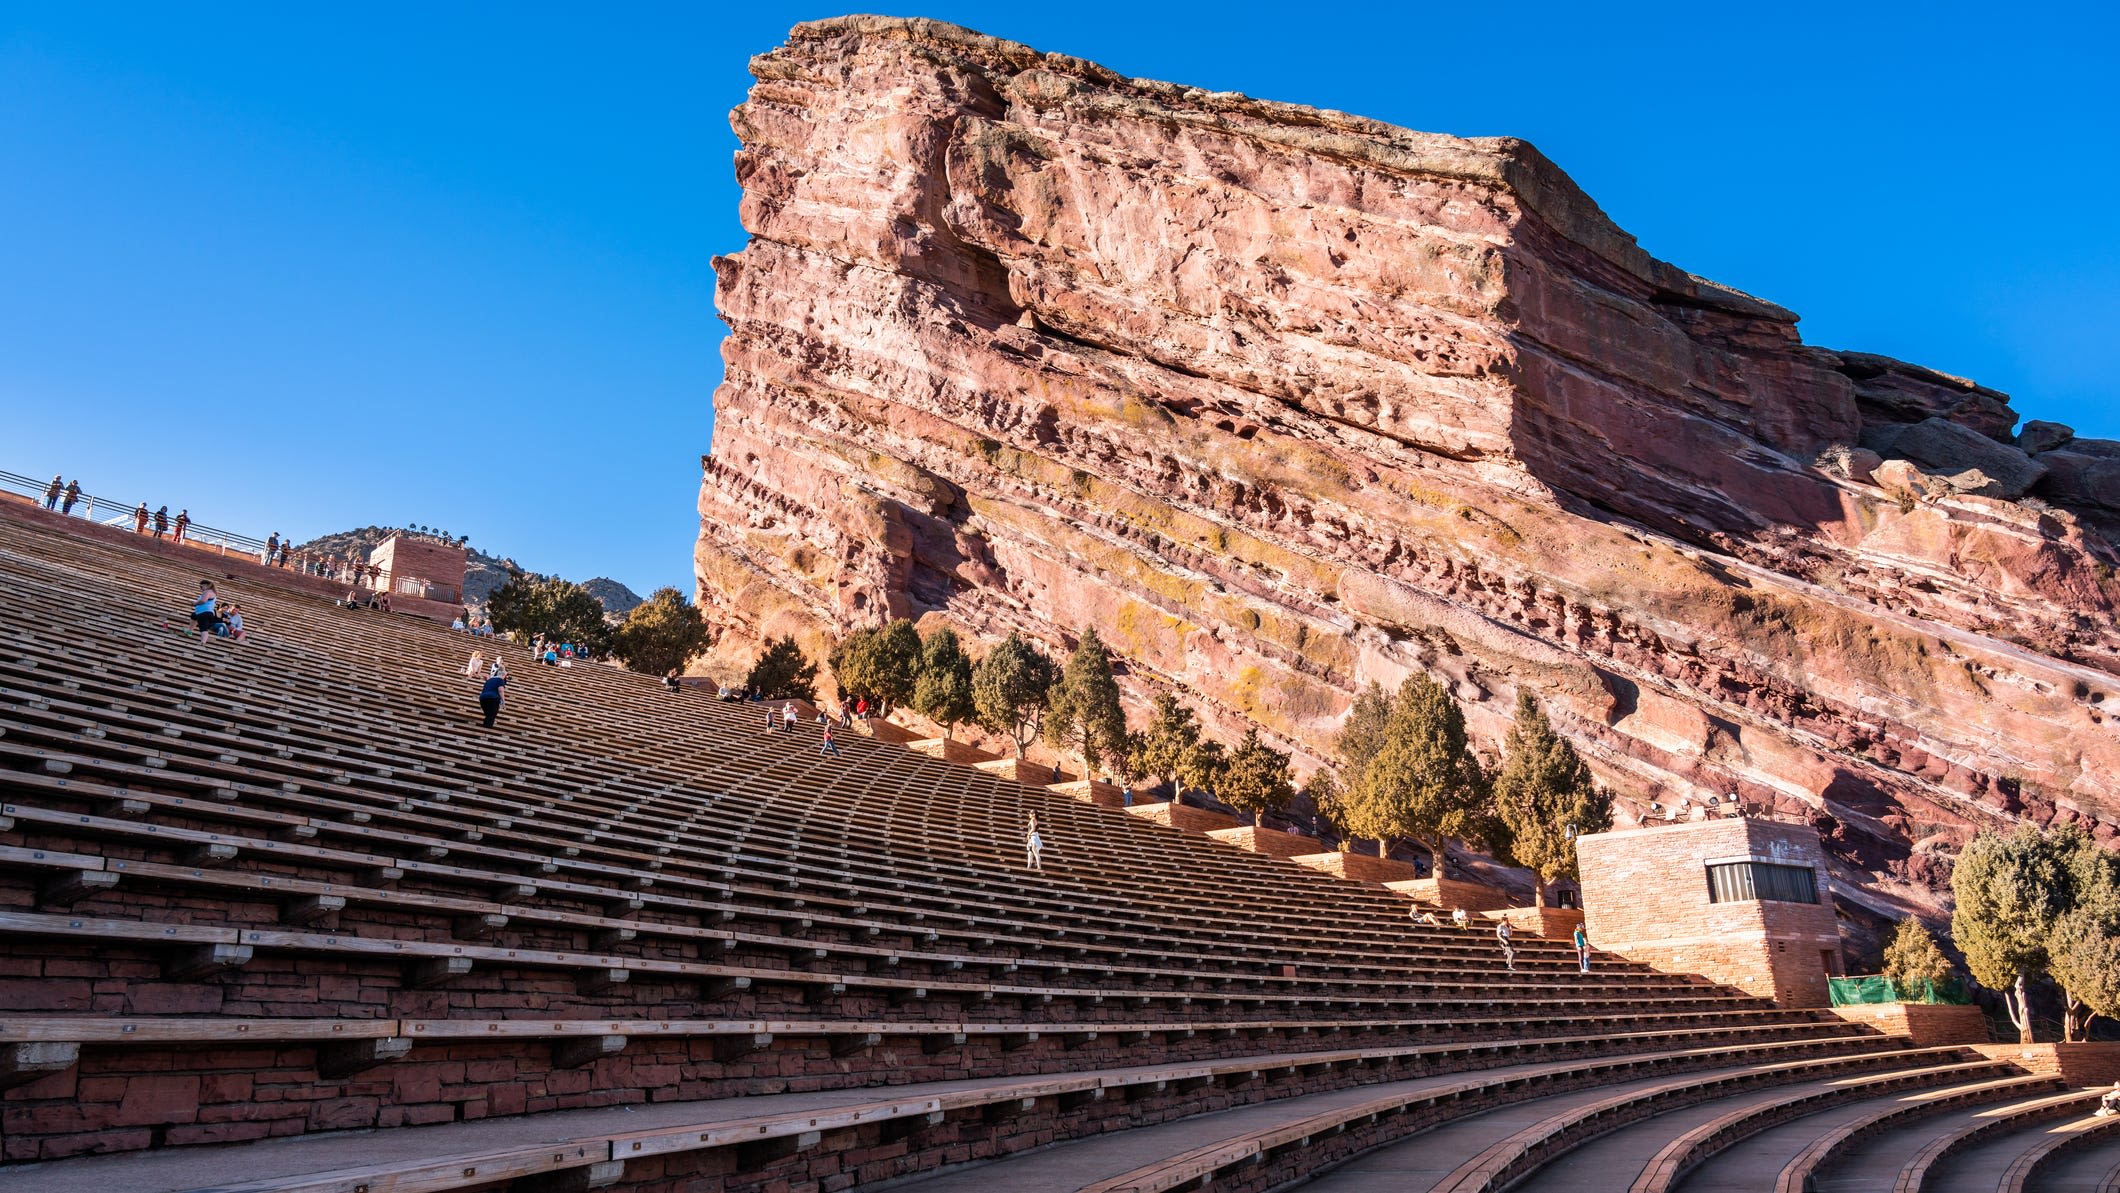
(215, 618)
(789, 719)
(1503, 932)
(479, 627)
(556, 654)
(62, 496)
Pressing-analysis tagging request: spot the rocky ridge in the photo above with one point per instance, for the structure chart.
(1284, 401)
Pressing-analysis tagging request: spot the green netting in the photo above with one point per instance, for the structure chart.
(1855, 992)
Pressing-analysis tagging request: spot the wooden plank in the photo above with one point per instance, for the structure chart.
(101, 929)
(432, 1175)
(95, 1030)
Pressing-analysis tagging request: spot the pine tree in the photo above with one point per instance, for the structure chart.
(1912, 961)
(944, 692)
(1423, 782)
(1258, 779)
(661, 634)
(2011, 894)
(1365, 730)
(1010, 690)
(1161, 748)
(881, 663)
(783, 672)
(1543, 796)
(1085, 715)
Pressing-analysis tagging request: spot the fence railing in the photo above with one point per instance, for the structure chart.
(106, 512)
(125, 516)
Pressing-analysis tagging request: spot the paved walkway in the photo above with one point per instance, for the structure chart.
(1875, 1163)
(2092, 1170)
(1610, 1163)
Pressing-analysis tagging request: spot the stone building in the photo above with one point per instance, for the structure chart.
(1744, 902)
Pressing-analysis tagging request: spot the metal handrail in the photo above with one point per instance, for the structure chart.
(86, 507)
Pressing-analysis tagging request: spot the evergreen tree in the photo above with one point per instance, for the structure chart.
(944, 692)
(1200, 769)
(1423, 782)
(661, 634)
(1010, 689)
(882, 664)
(1542, 791)
(2083, 950)
(783, 672)
(1160, 749)
(1258, 779)
(561, 610)
(1913, 961)
(1365, 730)
(1328, 798)
(2011, 894)
(1084, 714)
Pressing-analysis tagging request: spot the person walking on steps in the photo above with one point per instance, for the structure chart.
(1033, 846)
(769, 720)
(1582, 948)
(830, 747)
(788, 720)
(51, 494)
(183, 524)
(1501, 933)
(73, 494)
(489, 695)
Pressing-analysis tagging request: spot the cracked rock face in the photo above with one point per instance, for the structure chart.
(1285, 401)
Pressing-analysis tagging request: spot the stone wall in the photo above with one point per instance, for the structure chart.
(1646, 897)
(1266, 840)
(1929, 1025)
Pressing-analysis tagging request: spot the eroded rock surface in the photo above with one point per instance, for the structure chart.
(1285, 401)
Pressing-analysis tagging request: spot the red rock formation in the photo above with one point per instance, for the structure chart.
(1284, 401)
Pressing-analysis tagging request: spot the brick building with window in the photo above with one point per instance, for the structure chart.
(1741, 901)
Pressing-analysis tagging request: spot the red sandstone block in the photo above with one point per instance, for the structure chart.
(157, 1100)
(216, 1133)
(333, 1114)
(102, 1141)
(508, 1099)
(226, 1087)
(413, 1084)
(439, 1112)
(101, 1089)
(42, 994)
(168, 998)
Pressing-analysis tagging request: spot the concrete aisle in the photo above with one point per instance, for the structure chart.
(2092, 1170)
(1610, 1163)
(1417, 1164)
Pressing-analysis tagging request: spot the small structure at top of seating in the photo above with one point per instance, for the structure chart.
(418, 566)
(1742, 901)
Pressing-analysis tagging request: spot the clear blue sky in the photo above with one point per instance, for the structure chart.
(306, 267)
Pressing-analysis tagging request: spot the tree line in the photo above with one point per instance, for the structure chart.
(1404, 767)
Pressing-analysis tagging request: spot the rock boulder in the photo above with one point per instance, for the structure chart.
(1284, 402)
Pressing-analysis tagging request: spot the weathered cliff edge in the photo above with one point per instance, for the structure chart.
(1283, 401)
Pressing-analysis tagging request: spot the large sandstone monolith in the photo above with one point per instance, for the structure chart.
(1285, 401)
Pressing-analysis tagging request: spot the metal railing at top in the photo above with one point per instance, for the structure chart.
(106, 512)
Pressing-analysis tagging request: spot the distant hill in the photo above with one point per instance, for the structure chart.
(618, 600)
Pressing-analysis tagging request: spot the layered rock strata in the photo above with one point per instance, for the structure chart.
(1285, 401)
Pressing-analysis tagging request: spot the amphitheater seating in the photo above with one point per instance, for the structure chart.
(290, 888)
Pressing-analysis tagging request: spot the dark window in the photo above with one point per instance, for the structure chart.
(1746, 882)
